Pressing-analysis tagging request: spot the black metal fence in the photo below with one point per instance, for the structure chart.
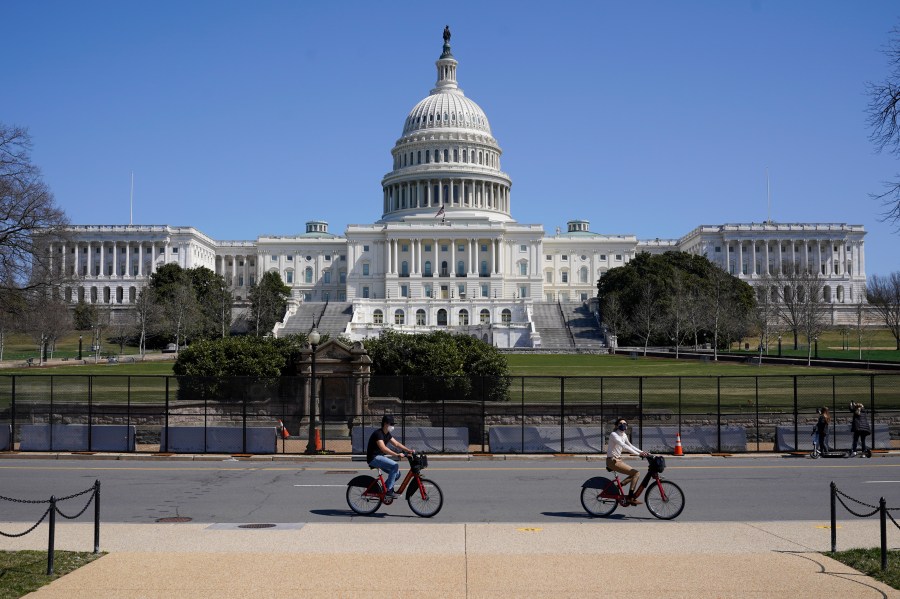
(146, 413)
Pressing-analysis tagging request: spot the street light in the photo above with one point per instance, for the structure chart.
(79, 347)
(816, 340)
(314, 338)
(779, 346)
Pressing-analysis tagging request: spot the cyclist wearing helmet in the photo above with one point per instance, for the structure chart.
(618, 441)
(377, 452)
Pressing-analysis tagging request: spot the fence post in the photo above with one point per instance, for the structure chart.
(166, 419)
(796, 418)
(483, 417)
(244, 419)
(872, 403)
(522, 387)
(52, 535)
(640, 410)
(883, 509)
(562, 414)
(12, 433)
(97, 516)
(833, 518)
(719, 414)
(90, 410)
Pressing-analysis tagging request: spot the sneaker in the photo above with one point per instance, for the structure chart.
(390, 495)
(852, 454)
(632, 500)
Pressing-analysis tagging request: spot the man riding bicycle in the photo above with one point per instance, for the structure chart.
(618, 441)
(377, 453)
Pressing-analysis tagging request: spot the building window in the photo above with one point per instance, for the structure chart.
(718, 249)
(483, 247)
(365, 269)
(461, 290)
(289, 276)
(365, 293)
(506, 316)
(460, 248)
(365, 248)
(290, 257)
(523, 248)
(327, 257)
(548, 258)
(523, 291)
(444, 247)
(404, 290)
(523, 268)
(420, 317)
(565, 277)
(485, 317)
(442, 318)
(484, 269)
(378, 317)
(463, 318)
(565, 258)
(461, 267)
(343, 277)
(308, 274)
(427, 247)
(404, 247)
(274, 258)
(548, 276)
(240, 280)
(326, 277)
(485, 290)
(428, 291)
(427, 268)
(399, 317)
(619, 257)
(603, 256)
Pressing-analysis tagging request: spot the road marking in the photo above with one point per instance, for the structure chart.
(529, 529)
(881, 481)
(828, 526)
(320, 485)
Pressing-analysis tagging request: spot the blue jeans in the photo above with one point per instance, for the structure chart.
(389, 466)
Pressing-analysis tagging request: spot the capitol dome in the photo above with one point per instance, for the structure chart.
(446, 159)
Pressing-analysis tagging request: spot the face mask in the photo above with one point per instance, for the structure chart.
(391, 428)
(622, 427)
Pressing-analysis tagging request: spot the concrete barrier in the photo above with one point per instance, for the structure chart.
(75, 437)
(5, 437)
(218, 439)
(434, 439)
(840, 438)
(592, 439)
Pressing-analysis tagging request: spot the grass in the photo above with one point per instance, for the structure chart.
(23, 572)
(868, 561)
(19, 346)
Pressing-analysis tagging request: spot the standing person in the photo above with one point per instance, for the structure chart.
(377, 452)
(618, 441)
(822, 428)
(859, 427)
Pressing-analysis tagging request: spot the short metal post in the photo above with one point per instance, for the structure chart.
(883, 509)
(833, 518)
(97, 516)
(52, 535)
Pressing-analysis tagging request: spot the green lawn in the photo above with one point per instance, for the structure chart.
(868, 561)
(19, 346)
(23, 572)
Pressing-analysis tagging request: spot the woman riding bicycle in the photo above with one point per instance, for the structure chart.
(618, 441)
(377, 452)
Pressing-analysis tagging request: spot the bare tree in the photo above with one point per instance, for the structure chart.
(679, 312)
(46, 321)
(789, 301)
(718, 299)
(696, 314)
(862, 327)
(765, 315)
(181, 311)
(147, 317)
(647, 313)
(30, 220)
(884, 122)
(614, 316)
(883, 294)
(814, 315)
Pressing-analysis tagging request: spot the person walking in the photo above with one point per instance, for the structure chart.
(822, 429)
(859, 427)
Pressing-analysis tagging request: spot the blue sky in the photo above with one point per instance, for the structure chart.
(250, 118)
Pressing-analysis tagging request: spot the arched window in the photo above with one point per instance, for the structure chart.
(485, 317)
(442, 318)
(463, 318)
(446, 155)
(840, 293)
(399, 317)
(445, 269)
(378, 317)
(420, 317)
(583, 274)
(826, 293)
(506, 316)
(307, 275)
(461, 267)
(427, 268)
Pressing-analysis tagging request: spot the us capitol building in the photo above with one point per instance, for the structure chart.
(447, 252)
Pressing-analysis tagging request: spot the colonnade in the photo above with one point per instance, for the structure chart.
(452, 192)
(103, 259)
(769, 256)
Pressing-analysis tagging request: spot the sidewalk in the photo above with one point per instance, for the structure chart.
(360, 557)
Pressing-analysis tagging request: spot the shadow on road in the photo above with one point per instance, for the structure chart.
(351, 514)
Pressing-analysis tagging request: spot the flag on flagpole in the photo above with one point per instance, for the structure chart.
(439, 212)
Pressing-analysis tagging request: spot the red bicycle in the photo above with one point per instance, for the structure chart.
(365, 494)
(601, 496)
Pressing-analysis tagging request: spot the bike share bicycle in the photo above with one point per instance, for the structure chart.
(600, 496)
(365, 494)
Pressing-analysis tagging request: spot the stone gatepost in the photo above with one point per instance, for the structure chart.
(342, 378)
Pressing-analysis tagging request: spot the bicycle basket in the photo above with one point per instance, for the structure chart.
(657, 463)
(419, 461)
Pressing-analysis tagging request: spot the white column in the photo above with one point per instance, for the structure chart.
(740, 258)
(102, 259)
(90, 259)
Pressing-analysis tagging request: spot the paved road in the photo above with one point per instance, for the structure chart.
(540, 490)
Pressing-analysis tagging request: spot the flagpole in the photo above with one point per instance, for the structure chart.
(131, 204)
(768, 196)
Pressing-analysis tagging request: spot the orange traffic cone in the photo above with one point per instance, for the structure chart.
(282, 429)
(678, 449)
(318, 441)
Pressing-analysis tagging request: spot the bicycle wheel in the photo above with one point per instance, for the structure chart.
(596, 505)
(428, 506)
(664, 508)
(364, 499)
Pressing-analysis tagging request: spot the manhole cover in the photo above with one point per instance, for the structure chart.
(173, 519)
(256, 526)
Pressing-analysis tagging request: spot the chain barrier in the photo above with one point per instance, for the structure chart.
(840, 494)
(52, 510)
(892, 519)
(36, 524)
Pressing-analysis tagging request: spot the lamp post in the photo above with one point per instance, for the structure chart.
(314, 338)
(816, 341)
(79, 347)
(779, 346)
